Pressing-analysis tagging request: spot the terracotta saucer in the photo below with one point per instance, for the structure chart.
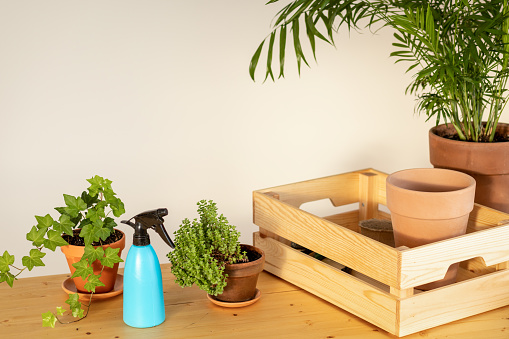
(235, 304)
(69, 287)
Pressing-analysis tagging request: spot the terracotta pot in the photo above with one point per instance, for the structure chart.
(242, 278)
(73, 254)
(428, 205)
(378, 229)
(487, 163)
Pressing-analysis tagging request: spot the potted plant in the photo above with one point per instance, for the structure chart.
(459, 51)
(85, 233)
(208, 253)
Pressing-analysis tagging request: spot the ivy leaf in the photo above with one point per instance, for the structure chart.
(74, 205)
(7, 277)
(83, 269)
(36, 236)
(92, 253)
(96, 184)
(34, 259)
(5, 260)
(75, 305)
(96, 213)
(64, 225)
(93, 232)
(117, 207)
(93, 282)
(60, 310)
(110, 257)
(54, 239)
(88, 199)
(44, 222)
(109, 223)
(48, 319)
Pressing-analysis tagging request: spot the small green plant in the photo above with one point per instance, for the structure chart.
(202, 249)
(89, 215)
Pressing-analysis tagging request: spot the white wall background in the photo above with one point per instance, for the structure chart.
(156, 96)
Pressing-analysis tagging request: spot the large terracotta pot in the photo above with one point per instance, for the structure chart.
(487, 163)
(73, 254)
(429, 205)
(242, 278)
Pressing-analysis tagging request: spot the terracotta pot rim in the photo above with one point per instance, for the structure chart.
(242, 265)
(500, 125)
(458, 173)
(121, 243)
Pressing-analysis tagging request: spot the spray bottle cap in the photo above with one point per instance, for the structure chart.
(150, 219)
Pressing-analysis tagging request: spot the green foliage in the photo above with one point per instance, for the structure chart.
(202, 249)
(458, 49)
(89, 215)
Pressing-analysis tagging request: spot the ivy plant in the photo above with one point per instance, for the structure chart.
(203, 248)
(87, 215)
(458, 49)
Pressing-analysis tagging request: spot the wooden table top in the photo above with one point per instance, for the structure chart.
(283, 311)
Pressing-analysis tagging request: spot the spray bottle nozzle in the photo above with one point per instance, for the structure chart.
(150, 219)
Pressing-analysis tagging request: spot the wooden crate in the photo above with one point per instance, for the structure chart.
(385, 296)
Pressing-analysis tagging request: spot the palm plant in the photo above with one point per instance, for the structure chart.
(458, 48)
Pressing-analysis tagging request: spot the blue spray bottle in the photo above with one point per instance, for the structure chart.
(143, 284)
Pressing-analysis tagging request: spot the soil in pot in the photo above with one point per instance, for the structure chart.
(74, 251)
(243, 277)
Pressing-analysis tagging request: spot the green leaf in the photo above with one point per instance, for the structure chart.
(95, 213)
(83, 269)
(7, 277)
(282, 49)
(117, 206)
(93, 282)
(44, 222)
(269, 57)
(74, 205)
(297, 46)
(49, 319)
(110, 257)
(36, 236)
(5, 260)
(95, 231)
(75, 305)
(254, 60)
(96, 184)
(60, 310)
(109, 223)
(92, 253)
(65, 225)
(88, 199)
(54, 240)
(34, 259)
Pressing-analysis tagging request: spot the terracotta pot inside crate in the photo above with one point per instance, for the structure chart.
(429, 205)
(379, 230)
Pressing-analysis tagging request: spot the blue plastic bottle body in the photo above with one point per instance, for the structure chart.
(143, 288)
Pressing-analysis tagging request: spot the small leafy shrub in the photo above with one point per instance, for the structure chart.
(87, 216)
(202, 249)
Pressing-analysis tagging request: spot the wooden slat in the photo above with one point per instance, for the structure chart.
(443, 305)
(342, 189)
(329, 283)
(483, 217)
(430, 262)
(354, 250)
(349, 220)
(368, 196)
